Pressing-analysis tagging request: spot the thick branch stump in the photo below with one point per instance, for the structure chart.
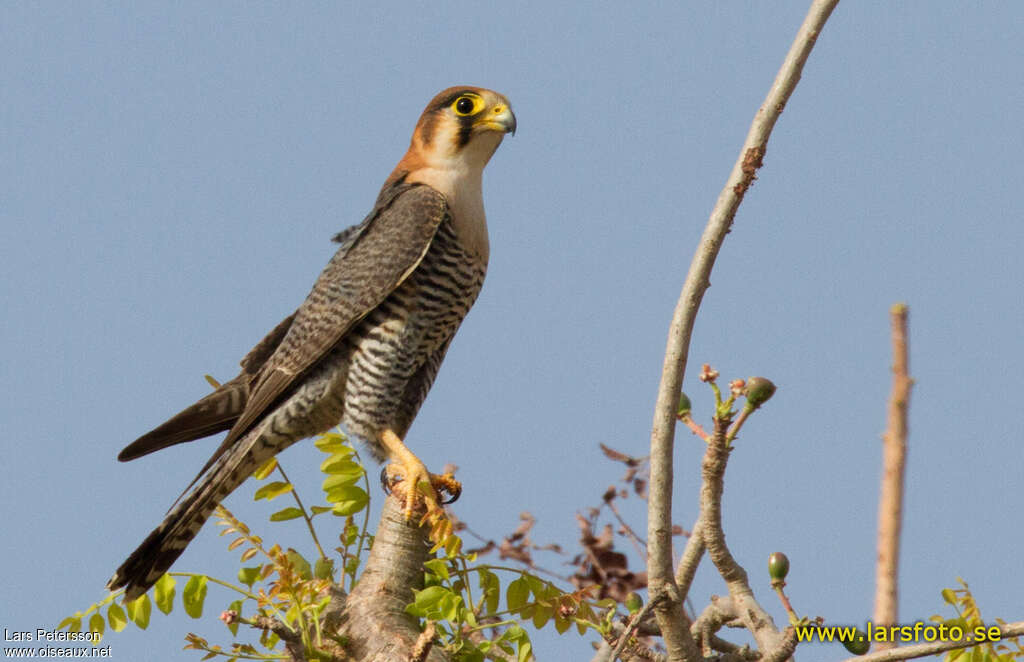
(374, 619)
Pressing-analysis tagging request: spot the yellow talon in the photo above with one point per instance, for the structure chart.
(416, 480)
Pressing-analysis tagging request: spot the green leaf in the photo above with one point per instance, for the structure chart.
(341, 464)
(97, 625)
(430, 597)
(69, 621)
(537, 587)
(438, 567)
(542, 614)
(236, 607)
(248, 576)
(351, 532)
(949, 596)
(452, 546)
(561, 624)
(272, 490)
(449, 607)
(320, 509)
(116, 617)
(332, 443)
(286, 514)
(139, 610)
(264, 470)
(517, 593)
(300, 564)
(163, 592)
(194, 595)
(491, 587)
(324, 568)
(584, 614)
(348, 500)
(525, 650)
(523, 645)
(335, 482)
(75, 622)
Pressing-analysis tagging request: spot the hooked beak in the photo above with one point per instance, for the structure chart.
(500, 118)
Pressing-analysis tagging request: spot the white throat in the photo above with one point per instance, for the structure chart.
(459, 177)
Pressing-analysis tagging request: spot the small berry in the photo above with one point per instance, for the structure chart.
(859, 645)
(759, 390)
(778, 566)
(684, 405)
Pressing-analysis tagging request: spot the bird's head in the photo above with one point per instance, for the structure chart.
(459, 131)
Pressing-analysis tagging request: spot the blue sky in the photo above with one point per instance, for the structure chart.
(171, 175)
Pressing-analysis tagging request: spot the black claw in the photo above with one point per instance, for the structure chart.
(385, 480)
(454, 497)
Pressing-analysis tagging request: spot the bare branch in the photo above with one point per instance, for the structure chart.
(754, 617)
(627, 632)
(894, 460)
(690, 560)
(670, 614)
(1008, 630)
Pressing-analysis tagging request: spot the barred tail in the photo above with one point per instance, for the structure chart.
(165, 544)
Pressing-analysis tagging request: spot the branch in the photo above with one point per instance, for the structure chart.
(750, 612)
(690, 560)
(670, 614)
(374, 619)
(1008, 630)
(894, 461)
(628, 630)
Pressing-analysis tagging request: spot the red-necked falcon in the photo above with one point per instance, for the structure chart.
(364, 347)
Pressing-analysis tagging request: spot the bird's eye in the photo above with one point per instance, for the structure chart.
(467, 105)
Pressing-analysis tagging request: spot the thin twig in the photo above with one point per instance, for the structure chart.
(638, 543)
(894, 462)
(423, 644)
(305, 515)
(690, 560)
(633, 622)
(670, 614)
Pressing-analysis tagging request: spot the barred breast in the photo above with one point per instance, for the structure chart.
(396, 350)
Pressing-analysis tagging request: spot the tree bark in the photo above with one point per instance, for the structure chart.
(374, 620)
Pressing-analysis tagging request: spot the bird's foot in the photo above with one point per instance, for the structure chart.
(408, 474)
(429, 491)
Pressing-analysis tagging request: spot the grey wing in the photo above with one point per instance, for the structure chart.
(373, 260)
(214, 413)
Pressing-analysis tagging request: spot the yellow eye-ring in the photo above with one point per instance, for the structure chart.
(468, 105)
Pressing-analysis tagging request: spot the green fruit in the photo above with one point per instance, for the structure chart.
(778, 566)
(684, 405)
(860, 644)
(758, 391)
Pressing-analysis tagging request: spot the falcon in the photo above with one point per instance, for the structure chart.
(364, 347)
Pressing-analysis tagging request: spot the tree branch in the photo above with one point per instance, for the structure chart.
(374, 619)
(894, 461)
(753, 616)
(670, 615)
(1008, 630)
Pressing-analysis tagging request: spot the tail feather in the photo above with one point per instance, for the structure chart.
(215, 413)
(165, 544)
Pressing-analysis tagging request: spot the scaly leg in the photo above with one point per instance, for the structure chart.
(415, 477)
